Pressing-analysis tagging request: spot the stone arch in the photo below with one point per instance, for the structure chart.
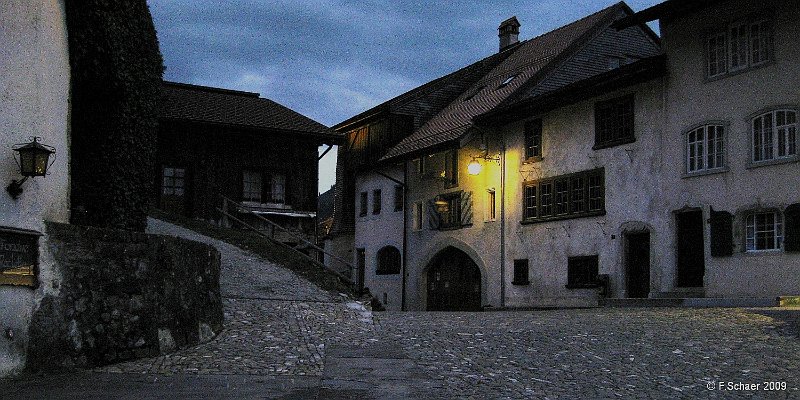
(450, 245)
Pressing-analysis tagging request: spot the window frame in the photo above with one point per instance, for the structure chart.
(417, 216)
(567, 198)
(399, 198)
(174, 178)
(259, 198)
(533, 140)
(622, 118)
(491, 205)
(725, 126)
(453, 212)
(774, 138)
(766, 45)
(778, 231)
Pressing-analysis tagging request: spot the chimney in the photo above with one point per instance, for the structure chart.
(508, 32)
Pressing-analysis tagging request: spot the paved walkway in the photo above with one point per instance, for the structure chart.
(286, 338)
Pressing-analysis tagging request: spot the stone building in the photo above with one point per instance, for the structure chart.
(255, 151)
(574, 170)
(730, 172)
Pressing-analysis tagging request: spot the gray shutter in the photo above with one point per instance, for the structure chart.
(721, 233)
(791, 239)
(466, 208)
(433, 216)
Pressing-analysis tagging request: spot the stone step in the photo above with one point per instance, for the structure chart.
(682, 293)
(692, 302)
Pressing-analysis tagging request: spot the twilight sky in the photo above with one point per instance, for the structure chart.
(332, 59)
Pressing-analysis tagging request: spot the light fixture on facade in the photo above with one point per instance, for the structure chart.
(441, 204)
(475, 167)
(34, 160)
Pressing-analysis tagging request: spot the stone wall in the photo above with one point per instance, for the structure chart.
(123, 295)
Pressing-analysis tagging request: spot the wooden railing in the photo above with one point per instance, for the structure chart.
(233, 215)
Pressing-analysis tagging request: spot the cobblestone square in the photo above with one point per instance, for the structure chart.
(286, 338)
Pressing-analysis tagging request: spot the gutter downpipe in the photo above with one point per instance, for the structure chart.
(405, 236)
(503, 220)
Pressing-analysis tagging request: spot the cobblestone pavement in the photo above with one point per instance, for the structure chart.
(276, 323)
(286, 338)
(604, 353)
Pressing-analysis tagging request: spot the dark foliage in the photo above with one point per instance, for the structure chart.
(116, 70)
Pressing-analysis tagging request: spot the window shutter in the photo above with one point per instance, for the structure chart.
(791, 239)
(433, 215)
(466, 208)
(721, 233)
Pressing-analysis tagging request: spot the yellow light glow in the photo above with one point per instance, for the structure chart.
(474, 168)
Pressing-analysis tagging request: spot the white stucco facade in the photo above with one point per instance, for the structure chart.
(34, 102)
(732, 100)
(378, 230)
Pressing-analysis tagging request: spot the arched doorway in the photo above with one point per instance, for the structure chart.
(454, 282)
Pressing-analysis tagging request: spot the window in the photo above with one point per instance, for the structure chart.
(614, 124)
(450, 211)
(277, 189)
(173, 182)
(775, 136)
(491, 205)
(520, 273)
(764, 231)
(417, 217)
(362, 211)
(388, 261)
(451, 167)
(533, 139)
(743, 45)
(251, 186)
(568, 196)
(705, 148)
(399, 194)
(421, 166)
(450, 217)
(582, 272)
(376, 201)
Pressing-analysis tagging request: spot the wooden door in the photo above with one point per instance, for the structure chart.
(637, 260)
(691, 251)
(454, 282)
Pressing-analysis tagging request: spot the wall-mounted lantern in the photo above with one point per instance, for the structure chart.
(441, 204)
(475, 167)
(34, 160)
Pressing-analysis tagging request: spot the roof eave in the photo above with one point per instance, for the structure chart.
(667, 9)
(324, 138)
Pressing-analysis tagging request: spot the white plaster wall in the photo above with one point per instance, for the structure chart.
(34, 101)
(375, 231)
(481, 241)
(632, 195)
(691, 100)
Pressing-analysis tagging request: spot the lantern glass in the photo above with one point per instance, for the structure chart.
(41, 163)
(27, 161)
(442, 206)
(474, 168)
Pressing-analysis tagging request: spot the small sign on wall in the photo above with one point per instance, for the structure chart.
(19, 257)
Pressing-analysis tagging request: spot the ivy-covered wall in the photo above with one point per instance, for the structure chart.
(116, 70)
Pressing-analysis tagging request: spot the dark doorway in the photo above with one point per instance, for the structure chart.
(454, 282)
(637, 260)
(691, 256)
(361, 265)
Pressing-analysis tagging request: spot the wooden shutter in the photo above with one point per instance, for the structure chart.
(433, 215)
(466, 208)
(721, 233)
(791, 238)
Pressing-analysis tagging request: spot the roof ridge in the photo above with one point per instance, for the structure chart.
(211, 89)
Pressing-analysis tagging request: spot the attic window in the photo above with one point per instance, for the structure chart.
(507, 81)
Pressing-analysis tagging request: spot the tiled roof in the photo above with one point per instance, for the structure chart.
(229, 107)
(428, 99)
(528, 62)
